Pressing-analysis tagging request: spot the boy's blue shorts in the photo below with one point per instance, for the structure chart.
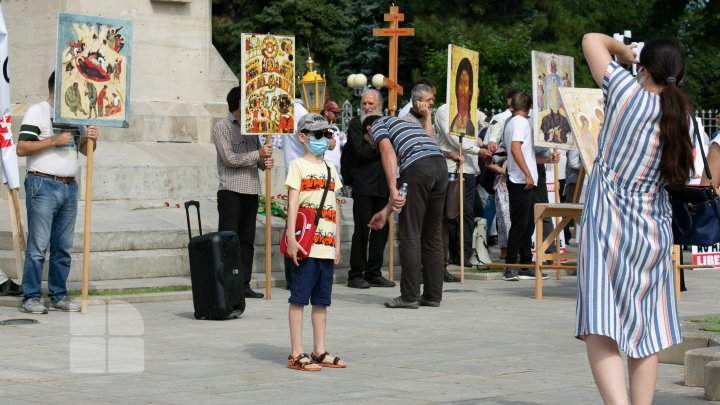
(312, 281)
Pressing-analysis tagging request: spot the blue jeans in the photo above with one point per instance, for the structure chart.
(51, 212)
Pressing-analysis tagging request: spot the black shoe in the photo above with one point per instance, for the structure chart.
(10, 288)
(426, 303)
(380, 281)
(358, 282)
(529, 274)
(450, 278)
(492, 240)
(249, 293)
(454, 260)
(511, 274)
(400, 303)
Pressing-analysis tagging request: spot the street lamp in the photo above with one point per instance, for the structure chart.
(358, 82)
(313, 89)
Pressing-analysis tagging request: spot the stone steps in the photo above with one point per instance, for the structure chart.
(700, 354)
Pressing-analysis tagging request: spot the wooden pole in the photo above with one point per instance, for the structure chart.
(18, 218)
(579, 185)
(17, 234)
(268, 227)
(90, 147)
(461, 216)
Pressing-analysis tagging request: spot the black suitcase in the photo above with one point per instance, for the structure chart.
(217, 281)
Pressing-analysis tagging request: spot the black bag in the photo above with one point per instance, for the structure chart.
(696, 210)
(217, 281)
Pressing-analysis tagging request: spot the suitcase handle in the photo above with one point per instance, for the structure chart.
(187, 214)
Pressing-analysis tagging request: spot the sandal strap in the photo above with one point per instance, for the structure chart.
(320, 358)
(296, 360)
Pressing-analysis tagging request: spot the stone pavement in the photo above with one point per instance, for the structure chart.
(489, 343)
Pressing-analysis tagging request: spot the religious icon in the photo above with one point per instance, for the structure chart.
(550, 120)
(268, 84)
(92, 78)
(586, 108)
(462, 91)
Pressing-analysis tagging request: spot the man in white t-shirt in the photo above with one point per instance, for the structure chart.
(51, 198)
(522, 177)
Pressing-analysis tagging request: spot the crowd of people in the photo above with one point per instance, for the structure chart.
(409, 165)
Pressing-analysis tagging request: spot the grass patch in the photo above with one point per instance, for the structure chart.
(132, 291)
(711, 319)
(712, 328)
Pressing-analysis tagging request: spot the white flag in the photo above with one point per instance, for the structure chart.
(9, 161)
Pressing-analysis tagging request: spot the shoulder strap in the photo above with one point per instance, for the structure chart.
(699, 141)
(325, 193)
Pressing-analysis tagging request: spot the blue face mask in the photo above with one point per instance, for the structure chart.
(318, 146)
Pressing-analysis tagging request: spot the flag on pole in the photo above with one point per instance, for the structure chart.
(9, 161)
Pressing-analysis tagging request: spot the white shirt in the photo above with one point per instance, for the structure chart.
(497, 122)
(292, 147)
(405, 110)
(518, 130)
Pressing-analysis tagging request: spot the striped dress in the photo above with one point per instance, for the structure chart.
(625, 276)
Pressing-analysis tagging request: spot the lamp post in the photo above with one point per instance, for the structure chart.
(313, 89)
(358, 82)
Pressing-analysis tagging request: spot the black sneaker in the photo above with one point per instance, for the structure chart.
(426, 303)
(450, 278)
(401, 303)
(511, 274)
(10, 288)
(379, 281)
(529, 274)
(249, 293)
(358, 282)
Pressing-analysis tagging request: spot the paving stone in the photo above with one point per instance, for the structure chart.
(695, 361)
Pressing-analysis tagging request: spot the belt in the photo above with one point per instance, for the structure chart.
(56, 178)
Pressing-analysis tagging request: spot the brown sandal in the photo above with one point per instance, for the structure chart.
(319, 360)
(296, 364)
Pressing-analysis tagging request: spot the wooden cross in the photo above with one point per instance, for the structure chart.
(394, 31)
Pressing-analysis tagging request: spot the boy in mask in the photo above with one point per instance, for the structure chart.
(312, 276)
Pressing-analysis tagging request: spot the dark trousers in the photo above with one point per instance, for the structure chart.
(237, 212)
(468, 216)
(522, 225)
(368, 247)
(420, 227)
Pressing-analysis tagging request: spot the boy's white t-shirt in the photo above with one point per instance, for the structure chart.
(309, 179)
(518, 130)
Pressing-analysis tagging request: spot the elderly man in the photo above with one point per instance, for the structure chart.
(422, 168)
(370, 195)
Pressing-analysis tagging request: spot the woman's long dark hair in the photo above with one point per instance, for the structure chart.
(664, 61)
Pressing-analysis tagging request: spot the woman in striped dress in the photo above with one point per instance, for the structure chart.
(626, 292)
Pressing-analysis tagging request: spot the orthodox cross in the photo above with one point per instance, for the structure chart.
(394, 31)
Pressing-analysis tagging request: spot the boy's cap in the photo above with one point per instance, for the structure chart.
(312, 123)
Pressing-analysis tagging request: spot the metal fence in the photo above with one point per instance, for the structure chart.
(708, 117)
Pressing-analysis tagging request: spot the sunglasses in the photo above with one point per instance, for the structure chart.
(319, 134)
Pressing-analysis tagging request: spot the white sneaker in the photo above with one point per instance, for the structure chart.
(64, 304)
(33, 306)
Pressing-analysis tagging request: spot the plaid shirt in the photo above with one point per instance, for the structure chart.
(238, 159)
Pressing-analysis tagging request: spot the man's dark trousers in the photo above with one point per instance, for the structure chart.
(368, 247)
(237, 213)
(420, 227)
(522, 225)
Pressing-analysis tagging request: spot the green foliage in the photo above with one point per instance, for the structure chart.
(339, 35)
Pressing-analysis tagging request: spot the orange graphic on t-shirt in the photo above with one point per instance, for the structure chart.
(329, 215)
(324, 239)
(313, 183)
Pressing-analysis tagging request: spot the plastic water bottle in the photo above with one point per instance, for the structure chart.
(452, 177)
(403, 193)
